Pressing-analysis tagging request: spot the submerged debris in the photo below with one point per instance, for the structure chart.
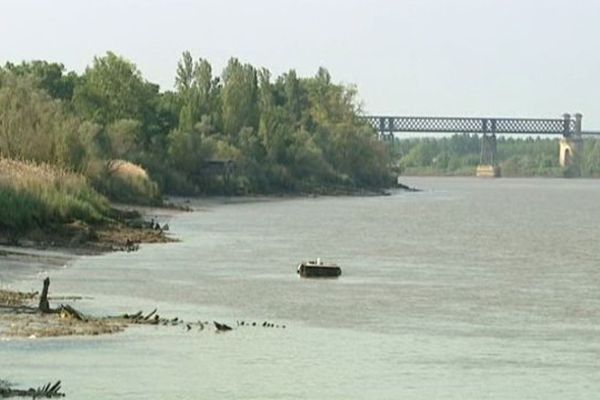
(47, 391)
(222, 327)
(407, 188)
(21, 318)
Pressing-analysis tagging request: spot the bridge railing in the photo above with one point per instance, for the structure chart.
(531, 126)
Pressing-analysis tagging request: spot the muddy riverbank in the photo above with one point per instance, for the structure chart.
(42, 250)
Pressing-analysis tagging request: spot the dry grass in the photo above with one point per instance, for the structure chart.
(126, 170)
(129, 183)
(13, 299)
(34, 195)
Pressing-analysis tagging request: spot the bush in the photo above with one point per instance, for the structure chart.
(129, 183)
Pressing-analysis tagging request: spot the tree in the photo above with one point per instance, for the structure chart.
(124, 137)
(240, 98)
(295, 97)
(50, 77)
(33, 126)
(113, 89)
(198, 91)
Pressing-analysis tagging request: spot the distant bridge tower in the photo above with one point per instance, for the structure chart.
(571, 146)
(488, 166)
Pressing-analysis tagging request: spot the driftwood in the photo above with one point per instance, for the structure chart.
(69, 312)
(65, 311)
(48, 391)
(119, 321)
(44, 304)
(222, 327)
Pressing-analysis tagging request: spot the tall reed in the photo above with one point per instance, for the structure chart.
(37, 195)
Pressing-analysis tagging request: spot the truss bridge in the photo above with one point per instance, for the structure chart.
(387, 125)
(569, 127)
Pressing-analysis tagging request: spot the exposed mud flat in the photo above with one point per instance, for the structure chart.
(21, 317)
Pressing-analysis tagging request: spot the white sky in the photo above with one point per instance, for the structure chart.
(530, 58)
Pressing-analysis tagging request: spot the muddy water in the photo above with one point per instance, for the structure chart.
(483, 289)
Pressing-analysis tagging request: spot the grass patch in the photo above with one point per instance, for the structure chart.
(38, 195)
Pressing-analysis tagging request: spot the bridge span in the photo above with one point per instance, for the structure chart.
(565, 126)
(569, 127)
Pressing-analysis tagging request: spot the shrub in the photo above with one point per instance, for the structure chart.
(129, 183)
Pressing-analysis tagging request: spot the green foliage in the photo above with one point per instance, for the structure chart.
(36, 195)
(460, 154)
(124, 136)
(242, 133)
(48, 76)
(198, 91)
(239, 98)
(590, 160)
(291, 134)
(112, 89)
(33, 126)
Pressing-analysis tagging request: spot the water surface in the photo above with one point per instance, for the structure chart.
(482, 289)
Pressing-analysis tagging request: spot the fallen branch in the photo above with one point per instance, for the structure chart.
(69, 312)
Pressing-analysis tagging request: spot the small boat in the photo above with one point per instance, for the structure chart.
(318, 269)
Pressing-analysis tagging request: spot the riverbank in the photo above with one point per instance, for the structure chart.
(59, 244)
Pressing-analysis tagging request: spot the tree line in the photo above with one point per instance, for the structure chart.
(242, 131)
(517, 157)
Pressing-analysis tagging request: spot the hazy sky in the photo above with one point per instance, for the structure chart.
(536, 58)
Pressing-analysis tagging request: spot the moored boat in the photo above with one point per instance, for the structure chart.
(318, 269)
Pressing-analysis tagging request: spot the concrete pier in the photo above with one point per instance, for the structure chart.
(488, 171)
(571, 147)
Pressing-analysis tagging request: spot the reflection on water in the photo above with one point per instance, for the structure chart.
(470, 289)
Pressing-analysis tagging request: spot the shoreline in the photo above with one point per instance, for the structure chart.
(130, 227)
(19, 316)
(56, 246)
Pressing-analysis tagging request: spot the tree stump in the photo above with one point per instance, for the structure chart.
(44, 304)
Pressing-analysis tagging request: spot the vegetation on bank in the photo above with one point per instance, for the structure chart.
(36, 195)
(239, 132)
(49, 206)
(460, 155)
(69, 141)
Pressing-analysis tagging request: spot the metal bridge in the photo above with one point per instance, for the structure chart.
(566, 126)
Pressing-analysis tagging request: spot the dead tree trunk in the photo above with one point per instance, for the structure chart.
(44, 304)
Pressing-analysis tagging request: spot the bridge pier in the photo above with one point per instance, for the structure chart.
(571, 147)
(488, 171)
(488, 167)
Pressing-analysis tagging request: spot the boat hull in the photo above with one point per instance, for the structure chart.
(319, 271)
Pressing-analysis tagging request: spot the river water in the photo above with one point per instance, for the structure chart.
(470, 289)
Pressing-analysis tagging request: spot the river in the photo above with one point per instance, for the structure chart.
(470, 289)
